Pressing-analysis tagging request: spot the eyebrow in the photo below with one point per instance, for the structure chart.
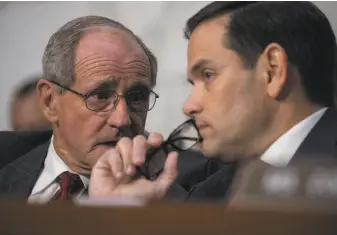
(109, 83)
(138, 86)
(112, 84)
(198, 66)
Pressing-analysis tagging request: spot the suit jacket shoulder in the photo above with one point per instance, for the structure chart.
(322, 139)
(23, 155)
(14, 144)
(18, 177)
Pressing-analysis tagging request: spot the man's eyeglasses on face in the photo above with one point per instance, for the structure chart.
(183, 138)
(104, 100)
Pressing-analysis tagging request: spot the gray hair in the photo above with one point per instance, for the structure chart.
(59, 54)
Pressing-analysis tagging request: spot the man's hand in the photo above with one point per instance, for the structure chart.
(112, 176)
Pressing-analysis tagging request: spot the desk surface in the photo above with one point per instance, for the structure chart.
(17, 218)
(255, 209)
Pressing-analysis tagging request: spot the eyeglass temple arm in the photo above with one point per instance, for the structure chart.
(185, 138)
(69, 89)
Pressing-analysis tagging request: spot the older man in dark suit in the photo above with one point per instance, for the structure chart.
(262, 89)
(97, 88)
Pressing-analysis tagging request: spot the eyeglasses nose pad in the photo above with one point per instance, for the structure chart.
(115, 102)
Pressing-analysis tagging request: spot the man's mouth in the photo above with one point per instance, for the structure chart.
(112, 143)
(203, 129)
(201, 126)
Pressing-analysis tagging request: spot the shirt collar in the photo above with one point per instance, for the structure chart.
(283, 149)
(53, 167)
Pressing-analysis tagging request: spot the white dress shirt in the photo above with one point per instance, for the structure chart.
(46, 185)
(283, 149)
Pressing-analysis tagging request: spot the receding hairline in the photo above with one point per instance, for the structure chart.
(60, 51)
(115, 32)
(116, 38)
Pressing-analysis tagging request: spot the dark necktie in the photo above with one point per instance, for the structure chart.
(70, 185)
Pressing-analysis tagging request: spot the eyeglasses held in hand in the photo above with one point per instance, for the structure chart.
(183, 138)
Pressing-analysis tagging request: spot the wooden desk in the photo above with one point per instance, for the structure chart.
(17, 218)
(256, 209)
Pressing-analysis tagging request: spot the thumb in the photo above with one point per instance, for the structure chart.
(169, 174)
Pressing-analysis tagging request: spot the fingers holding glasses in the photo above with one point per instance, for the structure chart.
(124, 147)
(155, 139)
(131, 153)
(139, 150)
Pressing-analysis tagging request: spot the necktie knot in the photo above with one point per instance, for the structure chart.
(70, 184)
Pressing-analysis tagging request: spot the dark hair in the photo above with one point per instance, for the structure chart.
(26, 88)
(300, 28)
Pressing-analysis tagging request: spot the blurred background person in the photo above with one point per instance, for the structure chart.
(25, 110)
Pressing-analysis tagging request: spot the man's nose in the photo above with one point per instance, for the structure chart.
(193, 103)
(119, 115)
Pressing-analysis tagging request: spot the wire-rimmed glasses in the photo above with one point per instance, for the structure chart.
(104, 100)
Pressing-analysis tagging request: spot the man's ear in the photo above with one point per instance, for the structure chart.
(48, 100)
(275, 66)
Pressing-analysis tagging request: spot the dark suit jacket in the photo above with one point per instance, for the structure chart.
(321, 141)
(22, 156)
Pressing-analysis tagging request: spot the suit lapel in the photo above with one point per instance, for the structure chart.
(321, 140)
(19, 177)
(215, 187)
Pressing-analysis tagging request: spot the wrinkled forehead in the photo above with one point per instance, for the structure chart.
(112, 54)
(108, 40)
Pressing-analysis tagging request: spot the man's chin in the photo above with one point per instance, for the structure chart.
(102, 148)
(99, 150)
(206, 148)
(209, 149)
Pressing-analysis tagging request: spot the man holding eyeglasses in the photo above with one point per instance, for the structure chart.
(97, 90)
(263, 76)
